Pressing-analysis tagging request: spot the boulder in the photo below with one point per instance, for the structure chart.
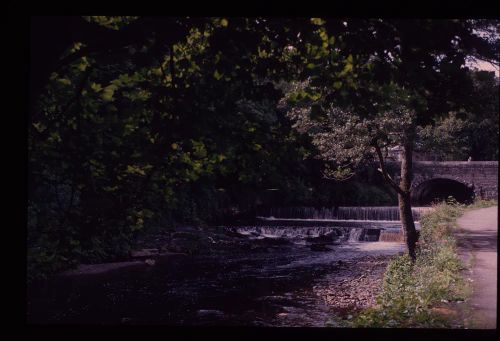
(323, 239)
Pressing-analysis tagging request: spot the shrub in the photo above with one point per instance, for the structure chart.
(411, 290)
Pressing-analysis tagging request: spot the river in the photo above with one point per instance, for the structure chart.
(269, 274)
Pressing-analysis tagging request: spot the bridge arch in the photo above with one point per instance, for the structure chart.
(480, 176)
(419, 179)
(431, 189)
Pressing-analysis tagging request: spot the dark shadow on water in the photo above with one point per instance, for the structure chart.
(244, 281)
(187, 291)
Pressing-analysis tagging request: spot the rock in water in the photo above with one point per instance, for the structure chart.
(324, 239)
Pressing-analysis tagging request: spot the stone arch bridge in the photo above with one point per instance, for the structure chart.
(480, 178)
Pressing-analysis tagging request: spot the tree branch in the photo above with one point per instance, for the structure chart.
(383, 170)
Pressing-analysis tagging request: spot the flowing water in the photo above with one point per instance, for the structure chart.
(383, 213)
(238, 275)
(356, 234)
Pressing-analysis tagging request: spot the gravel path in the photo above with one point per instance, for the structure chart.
(477, 243)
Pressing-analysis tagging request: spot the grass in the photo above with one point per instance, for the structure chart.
(422, 294)
(482, 204)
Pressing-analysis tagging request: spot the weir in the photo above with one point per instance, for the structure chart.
(297, 232)
(383, 213)
(326, 225)
(319, 234)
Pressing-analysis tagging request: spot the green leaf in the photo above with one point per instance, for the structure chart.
(64, 81)
(324, 36)
(54, 137)
(257, 147)
(318, 21)
(108, 92)
(96, 87)
(224, 22)
(40, 127)
(347, 68)
(313, 96)
(218, 75)
(337, 85)
(135, 170)
(82, 66)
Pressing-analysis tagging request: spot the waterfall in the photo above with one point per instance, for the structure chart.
(292, 232)
(356, 234)
(354, 224)
(385, 213)
(303, 234)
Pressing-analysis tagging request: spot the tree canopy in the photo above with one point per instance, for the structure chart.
(383, 80)
(151, 121)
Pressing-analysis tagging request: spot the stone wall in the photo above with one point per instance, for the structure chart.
(481, 176)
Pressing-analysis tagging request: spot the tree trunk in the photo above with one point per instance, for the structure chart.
(410, 233)
(403, 190)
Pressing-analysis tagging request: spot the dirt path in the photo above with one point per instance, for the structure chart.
(477, 242)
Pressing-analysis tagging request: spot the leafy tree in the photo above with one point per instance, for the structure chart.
(447, 140)
(482, 116)
(155, 120)
(472, 131)
(372, 87)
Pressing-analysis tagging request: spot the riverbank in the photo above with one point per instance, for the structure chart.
(357, 285)
(431, 292)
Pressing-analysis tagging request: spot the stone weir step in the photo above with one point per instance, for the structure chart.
(382, 224)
